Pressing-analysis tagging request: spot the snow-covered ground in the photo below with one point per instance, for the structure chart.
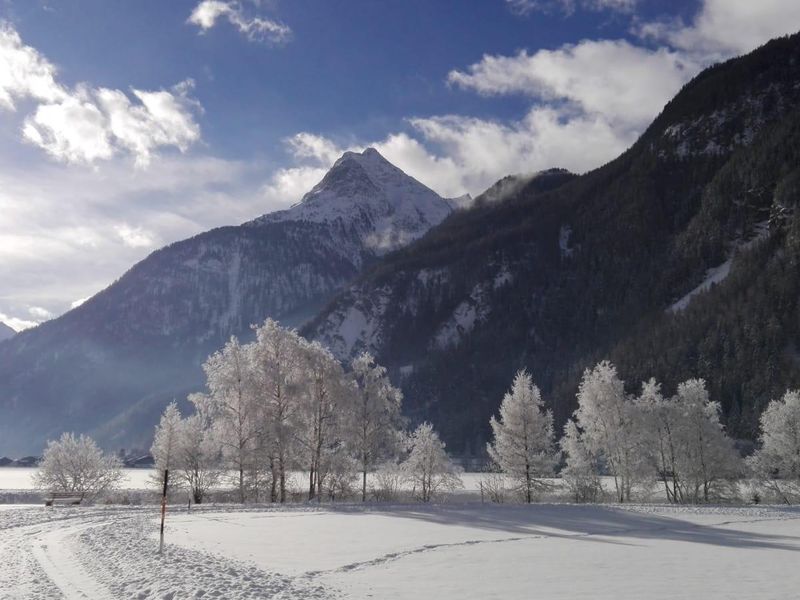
(412, 551)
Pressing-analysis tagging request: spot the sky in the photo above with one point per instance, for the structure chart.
(128, 125)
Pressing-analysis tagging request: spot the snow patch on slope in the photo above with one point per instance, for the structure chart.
(463, 319)
(716, 275)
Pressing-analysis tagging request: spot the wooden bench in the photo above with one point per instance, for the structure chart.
(62, 498)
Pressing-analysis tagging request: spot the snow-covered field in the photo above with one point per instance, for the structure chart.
(412, 551)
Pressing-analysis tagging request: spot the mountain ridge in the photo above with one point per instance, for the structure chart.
(109, 366)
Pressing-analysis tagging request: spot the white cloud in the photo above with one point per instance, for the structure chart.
(50, 256)
(622, 83)
(135, 237)
(85, 124)
(206, 14)
(39, 313)
(570, 6)
(724, 28)
(24, 73)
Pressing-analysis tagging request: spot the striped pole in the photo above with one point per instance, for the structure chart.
(163, 510)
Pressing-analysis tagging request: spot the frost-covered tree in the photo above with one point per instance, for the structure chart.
(610, 429)
(198, 456)
(232, 408)
(322, 415)
(278, 363)
(165, 445)
(581, 472)
(661, 427)
(77, 466)
(776, 464)
(687, 444)
(523, 445)
(427, 467)
(376, 420)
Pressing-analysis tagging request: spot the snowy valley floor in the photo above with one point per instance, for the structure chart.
(445, 551)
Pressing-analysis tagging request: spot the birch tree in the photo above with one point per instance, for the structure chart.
(608, 420)
(232, 406)
(321, 415)
(277, 359)
(377, 422)
(523, 445)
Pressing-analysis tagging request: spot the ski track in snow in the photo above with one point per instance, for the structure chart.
(100, 554)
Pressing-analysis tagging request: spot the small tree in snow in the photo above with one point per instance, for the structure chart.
(523, 444)
(199, 452)
(776, 465)
(427, 466)
(581, 470)
(165, 445)
(376, 421)
(77, 466)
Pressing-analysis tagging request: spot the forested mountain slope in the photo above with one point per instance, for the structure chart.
(554, 278)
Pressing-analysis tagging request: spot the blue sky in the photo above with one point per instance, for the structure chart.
(126, 125)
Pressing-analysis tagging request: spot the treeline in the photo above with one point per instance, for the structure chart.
(282, 404)
(640, 439)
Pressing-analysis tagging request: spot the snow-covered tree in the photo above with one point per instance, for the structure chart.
(232, 407)
(198, 456)
(165, 445)
(523, 445)
(277, 361)
(610, 428)
(376, 422)
(662, 429)
(776, 464)
(322, 415)
(77, 466)
(581, 472)
(687, 444)
(427, 467)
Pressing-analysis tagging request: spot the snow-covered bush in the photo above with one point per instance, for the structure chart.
(77, 466)
(428, 468)
(523, 446)
(776, 464)
(387, 482)
(493, 485)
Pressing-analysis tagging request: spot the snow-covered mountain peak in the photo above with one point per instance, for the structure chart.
(365, 194)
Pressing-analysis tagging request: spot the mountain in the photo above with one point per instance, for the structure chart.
(678, 259)
(6, 332)
(109, 366)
